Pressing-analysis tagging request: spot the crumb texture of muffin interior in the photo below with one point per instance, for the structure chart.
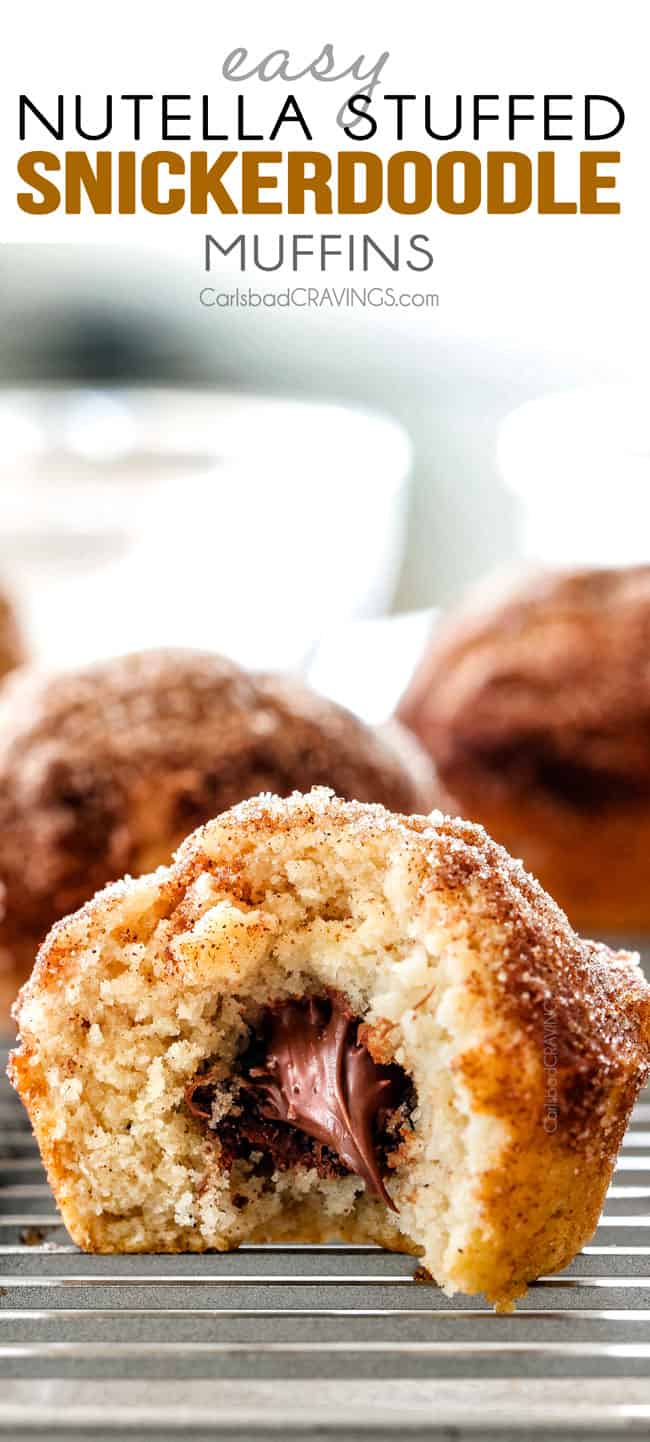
(313, 1026)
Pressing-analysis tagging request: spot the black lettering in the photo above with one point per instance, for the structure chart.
(590, 133)
(55, 129)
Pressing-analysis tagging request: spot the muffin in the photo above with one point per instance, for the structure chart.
(12, 647)
(536, 712)
(104, 771)
(327, 1021)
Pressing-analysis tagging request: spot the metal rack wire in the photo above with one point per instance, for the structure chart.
(294, 1341)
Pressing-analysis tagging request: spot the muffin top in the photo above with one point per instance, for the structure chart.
(545, 690)
(104, 770)
(447, 876)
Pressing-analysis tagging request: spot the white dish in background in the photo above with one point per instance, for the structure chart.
(240, 523)
(367, 665)
(578, 462)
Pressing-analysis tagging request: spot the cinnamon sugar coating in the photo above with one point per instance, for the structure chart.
(103, 771)
(549, 689)
(526, 1045)
(535, 709)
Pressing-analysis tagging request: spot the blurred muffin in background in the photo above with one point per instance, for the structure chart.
(12, 646)
(105, 770)
(535, 709)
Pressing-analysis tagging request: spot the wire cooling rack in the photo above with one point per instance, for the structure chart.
(301, 1341)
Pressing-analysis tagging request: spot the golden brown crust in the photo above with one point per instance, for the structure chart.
(599, 1000)
(536, 712)
(562, 1024)
(12, 646)
(103, 771)
(598, 872)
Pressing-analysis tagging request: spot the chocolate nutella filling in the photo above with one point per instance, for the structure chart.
(308, 1093)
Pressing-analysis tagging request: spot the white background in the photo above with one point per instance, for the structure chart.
(517, 275)
(529, 304)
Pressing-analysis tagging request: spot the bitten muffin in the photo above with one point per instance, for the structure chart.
(536, 712)
(104, 771)
(12, 645)
(324, 1020)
